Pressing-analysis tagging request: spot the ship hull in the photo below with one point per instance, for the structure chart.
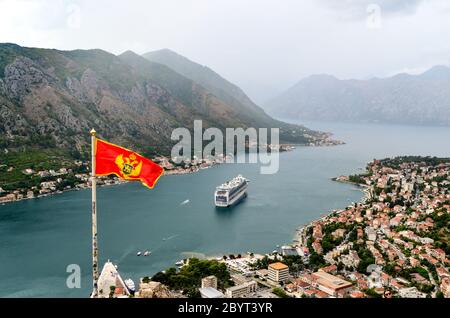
(231, 192)
(235, 201)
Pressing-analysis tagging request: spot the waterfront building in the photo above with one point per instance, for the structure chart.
(210, 292)
(110, 283)
(242, 290)
(288, 250)
(278, 272)
(263, 273)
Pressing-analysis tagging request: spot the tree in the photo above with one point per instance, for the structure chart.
(146, 279)
(316, 260)
(262, 263)
(189, 277)
(366, 259)
(280, 292)
(372, 293)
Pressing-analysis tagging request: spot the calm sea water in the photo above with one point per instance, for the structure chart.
(40, 238)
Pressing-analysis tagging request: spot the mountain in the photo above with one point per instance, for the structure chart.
(206, 77)
(226, 91)
(403, 98)
(50, 99)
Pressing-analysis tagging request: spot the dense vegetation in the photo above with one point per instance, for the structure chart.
(280, 292)
(366, 258)
(13, 163)
(357, 178)
(188, 278)
(440, 232)
(397, 161)
(316, 261)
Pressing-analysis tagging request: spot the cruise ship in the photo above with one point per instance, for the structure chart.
(231, 192)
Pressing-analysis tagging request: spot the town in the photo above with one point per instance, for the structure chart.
(393, 244)
(76, 176)
(29, 183)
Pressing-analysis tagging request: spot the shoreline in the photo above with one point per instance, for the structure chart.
(86, 186)
(173, 170)
(387, 227)
(298, 232)
(301, 228)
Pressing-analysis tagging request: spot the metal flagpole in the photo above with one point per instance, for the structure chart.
(94, 218)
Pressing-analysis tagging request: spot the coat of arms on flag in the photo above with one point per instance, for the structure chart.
(125, 163)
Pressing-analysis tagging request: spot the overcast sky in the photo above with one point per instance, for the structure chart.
(264, 46)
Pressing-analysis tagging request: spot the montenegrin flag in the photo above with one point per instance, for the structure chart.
(124, 163)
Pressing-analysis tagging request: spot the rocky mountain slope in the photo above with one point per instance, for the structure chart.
(51, 99)
(414, 99)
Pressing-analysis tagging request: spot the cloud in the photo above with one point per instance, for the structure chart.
(37, 14)
(356, 9)
(263, 46)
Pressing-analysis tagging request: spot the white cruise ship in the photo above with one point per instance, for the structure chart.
(231, 192)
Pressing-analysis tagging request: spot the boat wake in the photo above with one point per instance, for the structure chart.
(125, 254)
(185, 202)
(170, 237)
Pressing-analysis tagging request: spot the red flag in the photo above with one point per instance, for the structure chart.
(125, 163)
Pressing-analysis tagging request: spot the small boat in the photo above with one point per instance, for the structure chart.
(147, 253)
(130, 285)
(139, 253)
(179, 263)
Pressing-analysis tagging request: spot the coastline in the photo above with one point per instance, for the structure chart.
(112, 182)
(297, 237)
(169, 169)
(362, 187)
(390, 233)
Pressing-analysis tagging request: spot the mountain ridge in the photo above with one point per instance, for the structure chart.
(403, 98)
(51, 98)
(225, 91)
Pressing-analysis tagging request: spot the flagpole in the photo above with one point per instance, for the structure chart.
(94, 219)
